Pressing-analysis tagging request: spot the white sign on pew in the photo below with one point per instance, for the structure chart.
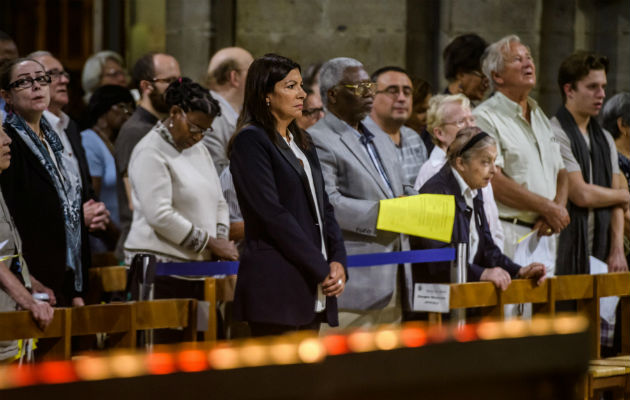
(431, 297)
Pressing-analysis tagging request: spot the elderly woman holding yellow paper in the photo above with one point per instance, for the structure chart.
(470, 167)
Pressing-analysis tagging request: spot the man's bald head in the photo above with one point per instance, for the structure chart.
(226, 61)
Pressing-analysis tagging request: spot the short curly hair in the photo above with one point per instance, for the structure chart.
(191, 96)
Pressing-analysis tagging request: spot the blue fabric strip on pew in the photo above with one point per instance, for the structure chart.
(354, 261)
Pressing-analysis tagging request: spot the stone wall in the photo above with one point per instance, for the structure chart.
(410, 33)
(372, 31)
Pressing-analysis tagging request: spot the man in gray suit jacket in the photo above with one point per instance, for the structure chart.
(360, 168)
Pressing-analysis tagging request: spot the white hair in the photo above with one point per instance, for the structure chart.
(493, 58)
(437, 105)
(93, 70)
(39, 54)
(331, 74)
(616, 107)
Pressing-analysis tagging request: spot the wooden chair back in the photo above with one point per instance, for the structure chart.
(21, 325)
(217, 290)
(116, 319)
(106, 280)
(168, 313)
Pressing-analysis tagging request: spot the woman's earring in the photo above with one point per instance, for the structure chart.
(170, 124)
(268, 103)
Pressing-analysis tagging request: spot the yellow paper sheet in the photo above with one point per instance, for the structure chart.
(426, 215)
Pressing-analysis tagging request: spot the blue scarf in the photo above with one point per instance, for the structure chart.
(68, 187)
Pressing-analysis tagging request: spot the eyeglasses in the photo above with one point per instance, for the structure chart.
(312, 112)
(56, 74)
(392, 91)
(168, 80)
(126, 108)
(26, 83)
(361, 89)
(196, 130)
(460, 123)
(478, 74)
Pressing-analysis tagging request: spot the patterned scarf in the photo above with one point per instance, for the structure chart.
(68, 186)
(165, 134)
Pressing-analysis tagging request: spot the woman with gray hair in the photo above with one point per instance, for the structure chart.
(470, 167)
(616, 120)
(102, 68)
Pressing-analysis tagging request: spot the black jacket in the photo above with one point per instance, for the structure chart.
(34, 204)
(282, 262)
(488, 254)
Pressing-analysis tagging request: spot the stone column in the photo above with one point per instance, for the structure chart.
(557, 43)
(188, 35)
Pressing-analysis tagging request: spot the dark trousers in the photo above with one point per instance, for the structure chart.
(259, 329)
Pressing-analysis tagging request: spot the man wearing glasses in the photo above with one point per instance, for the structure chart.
(360, 168)
(95, 213)
(392, 108)
(151, 75)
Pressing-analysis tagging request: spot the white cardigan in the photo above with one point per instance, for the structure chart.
(174, 194)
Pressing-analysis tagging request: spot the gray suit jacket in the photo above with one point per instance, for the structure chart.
(223, 128)
(354, 188)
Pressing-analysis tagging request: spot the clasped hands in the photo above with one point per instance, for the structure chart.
(554, 219)
(223, 248)
(335, 282)
(95, 215)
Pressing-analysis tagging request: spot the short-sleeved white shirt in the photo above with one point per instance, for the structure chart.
(528, 153)
(572, 165)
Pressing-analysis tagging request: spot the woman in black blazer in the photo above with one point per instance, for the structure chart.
(293, 265)
(44, 197)
(470, 167)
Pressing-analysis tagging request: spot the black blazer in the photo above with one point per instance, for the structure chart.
(488, 254)
(34, 204)
(282, 263)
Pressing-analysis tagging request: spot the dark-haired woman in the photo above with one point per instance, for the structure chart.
(109, 107)
(42, 194)
(179, 210)
(462, 67)
(293, 265)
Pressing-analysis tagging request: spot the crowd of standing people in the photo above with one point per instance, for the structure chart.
(284, 168)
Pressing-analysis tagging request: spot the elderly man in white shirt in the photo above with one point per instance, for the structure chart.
(530, 185)
(447, 115)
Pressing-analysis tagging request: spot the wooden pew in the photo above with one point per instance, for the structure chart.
(168, 313)
(21, 325)
(492, 300)
(217, 290)
(114, 279)
(118, 320)
(617, 284)
(106, 280)
(586, 290)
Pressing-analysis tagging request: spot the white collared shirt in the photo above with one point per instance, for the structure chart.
(320, 303)
(527, 152)
(434, 164)
(469, 194)
(59, 125)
